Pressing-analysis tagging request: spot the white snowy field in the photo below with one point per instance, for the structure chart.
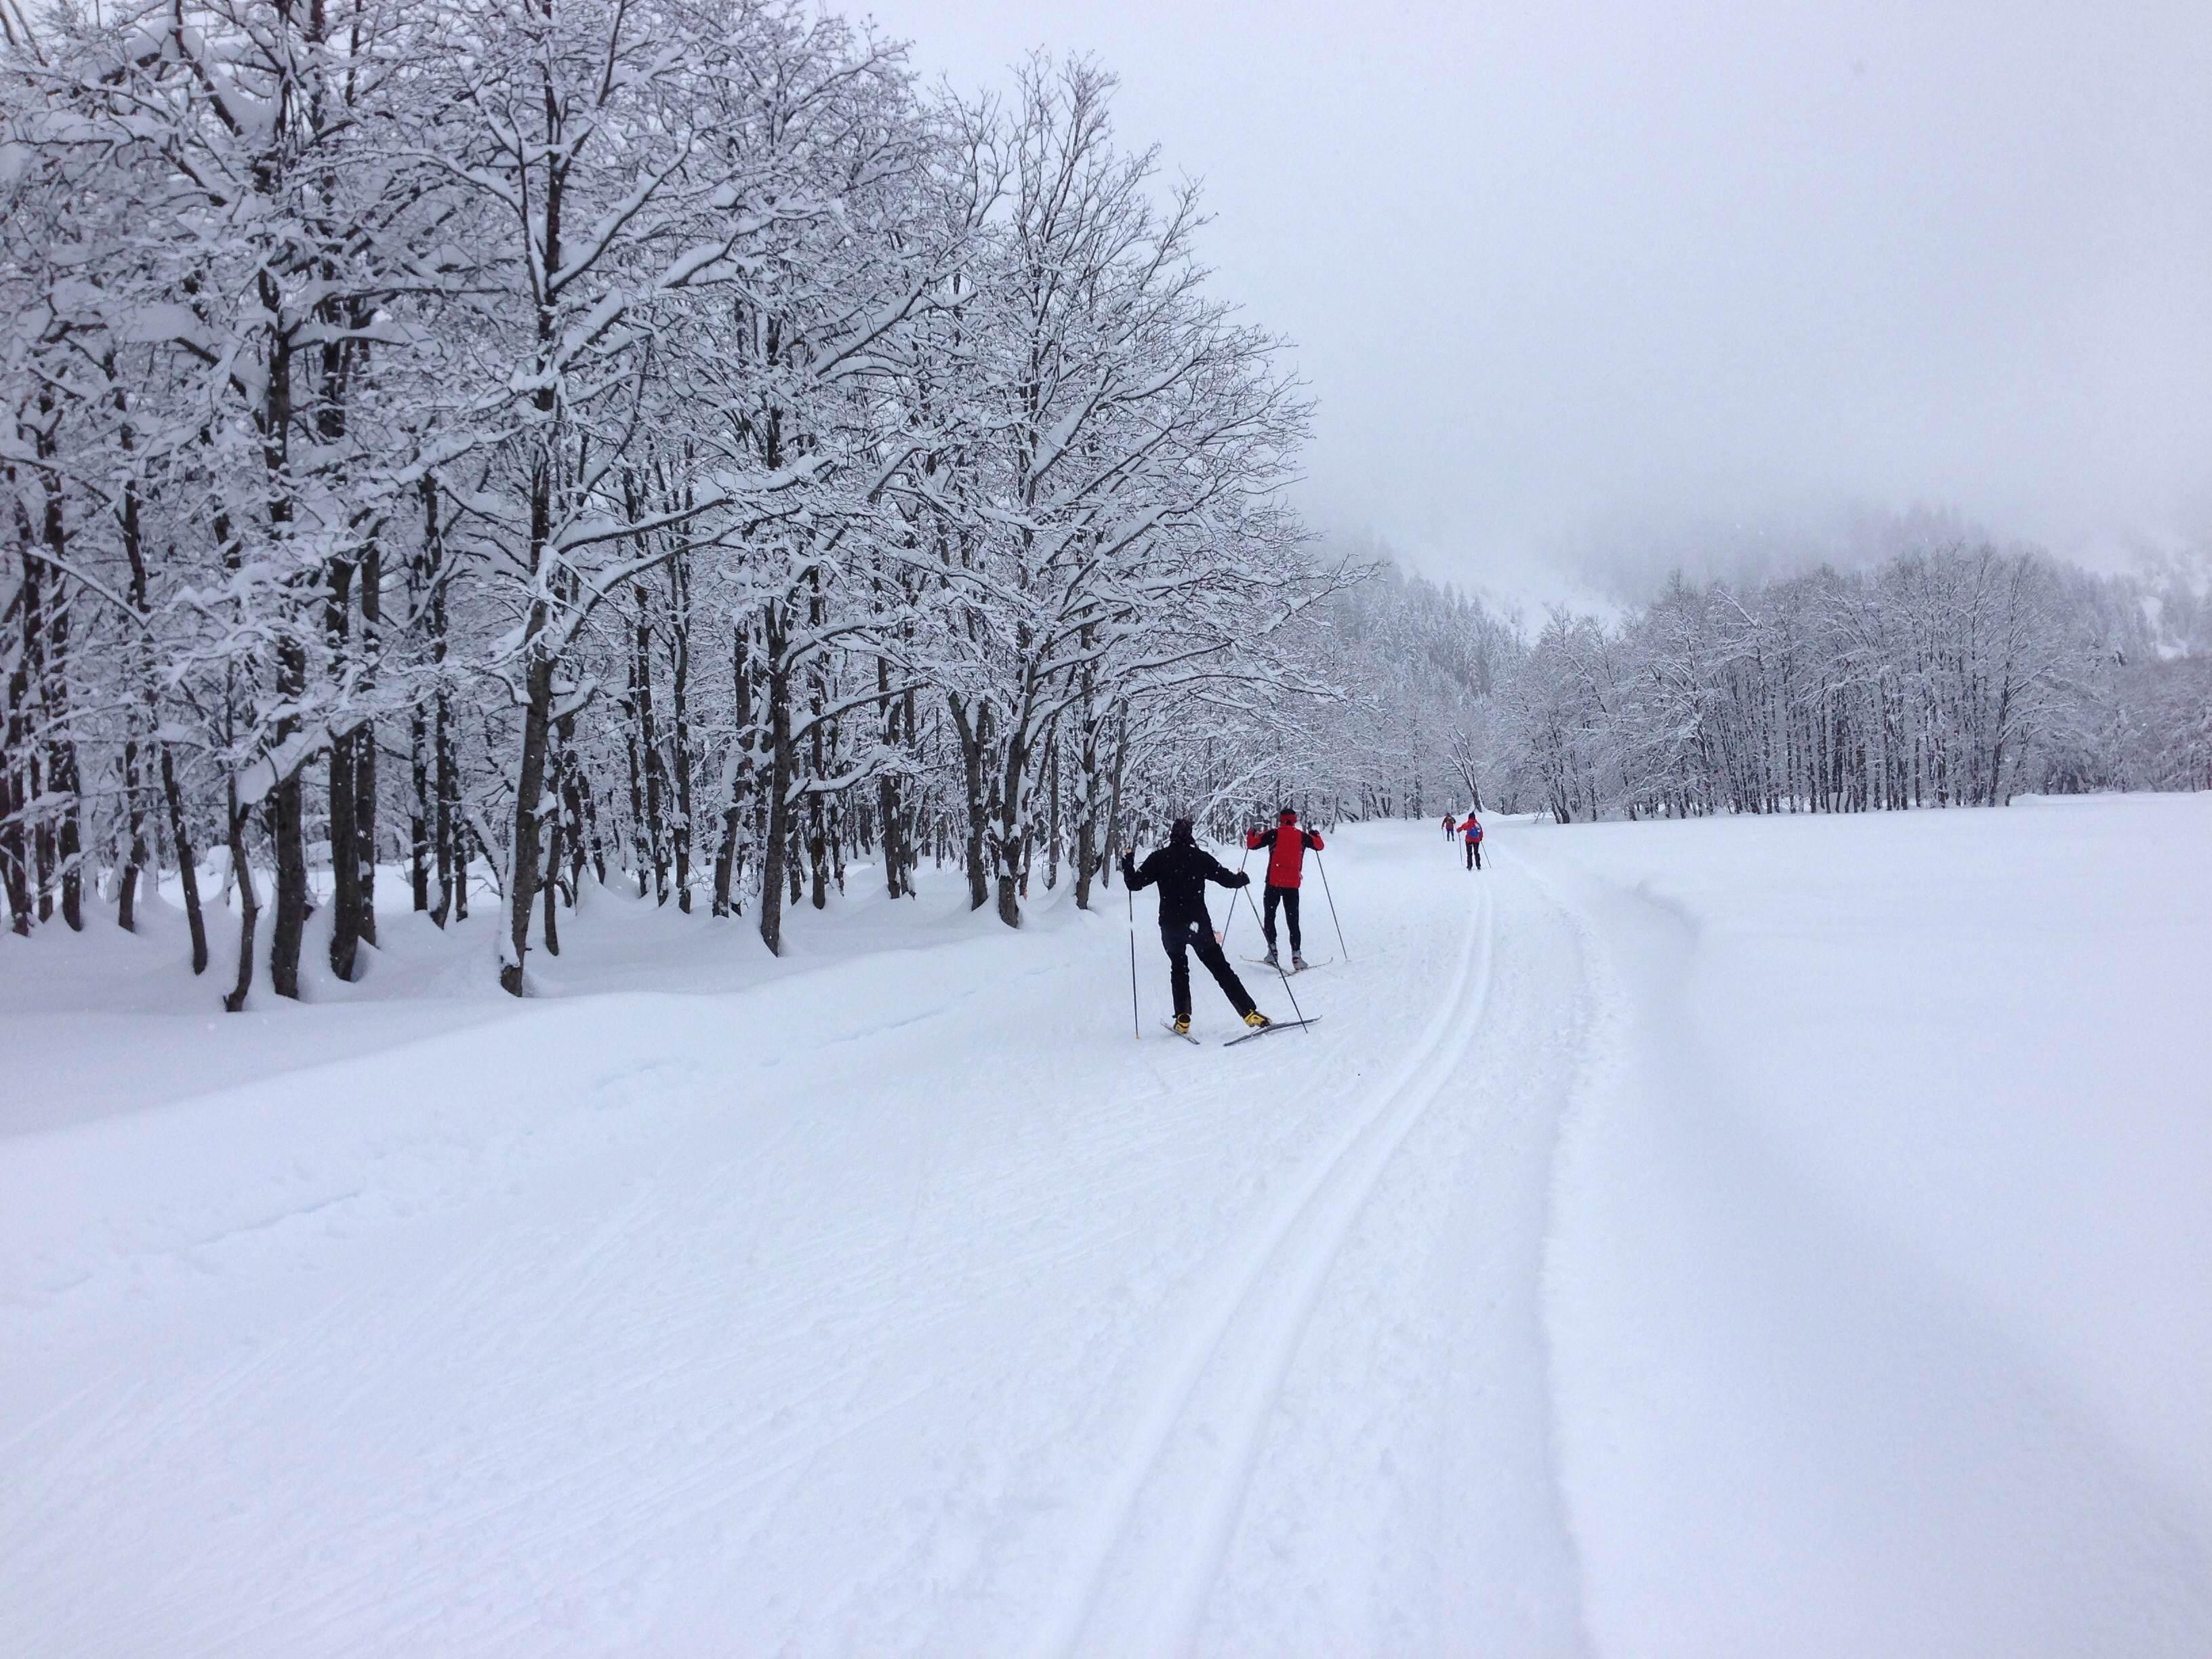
(1783, 1237)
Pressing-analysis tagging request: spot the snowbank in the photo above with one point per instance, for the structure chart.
(1882, 1242)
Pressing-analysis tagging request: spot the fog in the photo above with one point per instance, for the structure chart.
(1584, 289)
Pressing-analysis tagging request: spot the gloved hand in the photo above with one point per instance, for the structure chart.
(1243, 878)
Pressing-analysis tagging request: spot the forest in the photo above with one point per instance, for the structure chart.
(455, 453)
(1956, 673)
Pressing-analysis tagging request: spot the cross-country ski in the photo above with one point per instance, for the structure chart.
(1272, 1027)
(1173, 1028)
(647, 649)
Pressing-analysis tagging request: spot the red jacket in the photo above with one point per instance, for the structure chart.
(1287, 862)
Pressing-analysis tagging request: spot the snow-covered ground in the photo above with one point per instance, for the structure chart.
(1757, 1236)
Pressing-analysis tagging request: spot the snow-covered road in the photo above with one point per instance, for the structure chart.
(903, 1303)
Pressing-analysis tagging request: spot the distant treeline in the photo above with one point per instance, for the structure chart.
(1961, 675)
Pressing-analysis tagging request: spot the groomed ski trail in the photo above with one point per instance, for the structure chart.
(1141, 1577)
(756, 1314)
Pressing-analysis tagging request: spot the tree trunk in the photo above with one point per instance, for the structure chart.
(345, 766)
(418, 823)
(726, 862)
(818, 827)
(17, 789)
(441, 807)
(552, 883)
(1052, 830)
(128, 521)
(249, 909)
(1086, 821)
(679, 657)
(364, 788)
(1008, 843)
(572, 799)
(135, 809)
(62, 777)
(636, 778)
(288, 831)
(530, 785)
(648, 739)
(180, 843)
(818, 693)
(975, 737)
(891, 831)
(910, 827)
(775, 846)
(15, 858)
(538, 675)
(446, 829)
(44, 857)
(1114, 837)
(461, 856)
(346, 873)
(14, 865)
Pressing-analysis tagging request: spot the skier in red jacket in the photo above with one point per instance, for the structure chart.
(1285, 865)
(1471, 832)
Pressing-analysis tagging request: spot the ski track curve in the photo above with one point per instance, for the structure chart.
(1216, 1394)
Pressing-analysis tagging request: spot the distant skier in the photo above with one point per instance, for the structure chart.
(1182, 871)
(1448, 826)
(1471, 833)
(1285, 865)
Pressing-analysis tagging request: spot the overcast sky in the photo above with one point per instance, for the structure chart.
(1571, 280)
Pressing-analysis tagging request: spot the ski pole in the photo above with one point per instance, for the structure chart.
(1136, 1025)
(1323, 868)
(1231, 921)
(1247, 890)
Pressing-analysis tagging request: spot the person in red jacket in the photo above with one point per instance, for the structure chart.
(1471, 832)
(1285, 865)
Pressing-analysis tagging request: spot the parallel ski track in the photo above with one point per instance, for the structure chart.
(1218, 1387)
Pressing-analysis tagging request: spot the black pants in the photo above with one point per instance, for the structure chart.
(1197, 938)
(1288, 898)
(1475, 855)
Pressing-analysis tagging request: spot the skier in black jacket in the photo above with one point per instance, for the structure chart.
(1180, 870)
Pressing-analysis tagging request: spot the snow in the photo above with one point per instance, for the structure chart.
(1886, 1257)
(1757, 1236)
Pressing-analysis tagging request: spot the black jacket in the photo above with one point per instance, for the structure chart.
(1181, 872)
